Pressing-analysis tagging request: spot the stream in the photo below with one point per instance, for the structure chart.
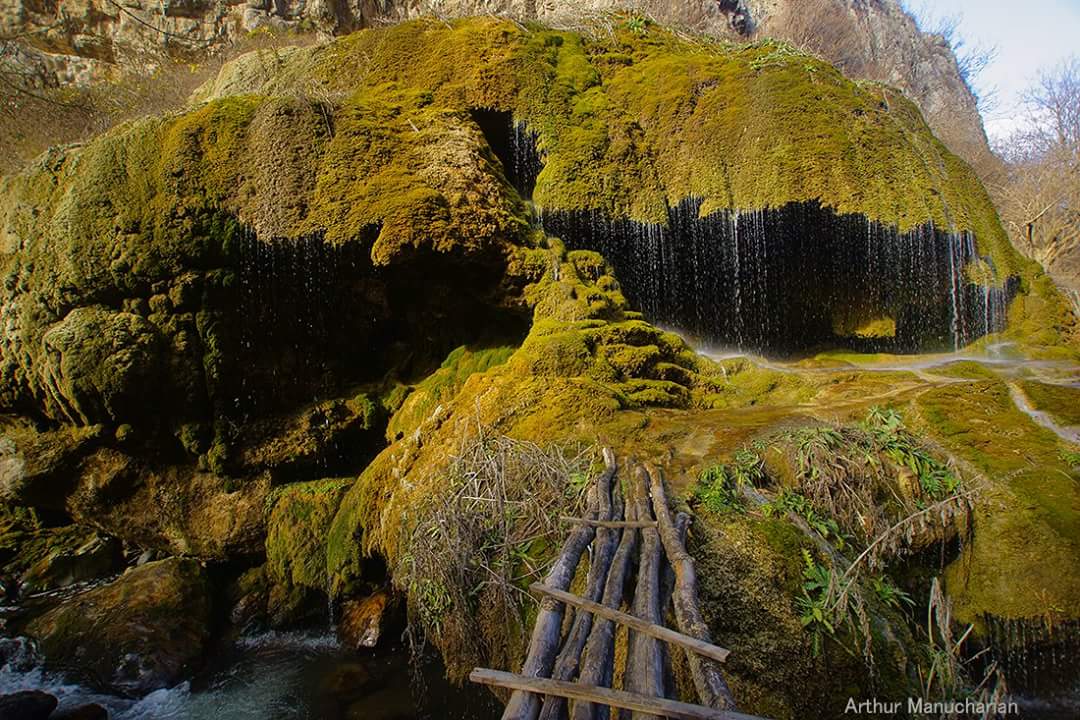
(302, 675)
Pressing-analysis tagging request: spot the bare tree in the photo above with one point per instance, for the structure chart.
(1040, 196)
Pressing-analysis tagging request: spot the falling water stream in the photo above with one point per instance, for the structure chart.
(787, 280)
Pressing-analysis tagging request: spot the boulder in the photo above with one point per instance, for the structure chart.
(37, 466)
(146, 630)
(35, 557)
(97, 556)
(176, 509)
(27, 705)
(296, 547)
(362, 621)
(98, 365)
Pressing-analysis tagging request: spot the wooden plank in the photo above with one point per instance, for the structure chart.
(568, 661)
(597, 659)
(657, 631)
(614, 524)
(645, 657)
(712, 689)
(605, 696)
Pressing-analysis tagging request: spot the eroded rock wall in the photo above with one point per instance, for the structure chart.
(77, 41)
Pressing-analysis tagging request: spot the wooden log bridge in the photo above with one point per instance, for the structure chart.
(638, 575)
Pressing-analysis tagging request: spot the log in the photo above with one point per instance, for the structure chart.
(645, 659)
(713, 690)
(604, 546)
(654, 630)
(667, 589)
(615, 524)
(589, 694)
(667, 584)
(547, 631)
(597, 659)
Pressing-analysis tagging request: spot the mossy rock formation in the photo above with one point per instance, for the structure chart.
(323, 268)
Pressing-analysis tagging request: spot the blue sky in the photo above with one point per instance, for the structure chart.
(1029, 36)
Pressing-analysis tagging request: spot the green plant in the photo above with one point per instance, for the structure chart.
(889, 594)
(719, 486)
(813, 440)
(817, 610)
(1070, 457)
(638, 24)
(886, 428)
(717, 490)
(827, 527)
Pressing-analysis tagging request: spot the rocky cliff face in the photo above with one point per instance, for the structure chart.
(77, 41)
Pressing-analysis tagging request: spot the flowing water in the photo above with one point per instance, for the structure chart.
(781, 281)
(273, 676)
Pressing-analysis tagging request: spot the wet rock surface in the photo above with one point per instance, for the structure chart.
(363, 621)
(27, 705)
(147, 629)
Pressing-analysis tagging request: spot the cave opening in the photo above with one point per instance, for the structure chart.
(514, 145)
(796, 279)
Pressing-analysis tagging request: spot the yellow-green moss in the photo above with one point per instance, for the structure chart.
(1062, 402)
(441, 386)
(1027, 520)
(299, 518)
(631, 122)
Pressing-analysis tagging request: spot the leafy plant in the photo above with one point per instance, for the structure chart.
(1070, 457)
(889, 594)
(638, 24)
(717, 490)
(788, 501)
(817, 611)
(718, 486)
(886, 427)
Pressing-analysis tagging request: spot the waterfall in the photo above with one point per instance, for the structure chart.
(789, 279)
(778, 280)
(1039, 660)
(525, 163)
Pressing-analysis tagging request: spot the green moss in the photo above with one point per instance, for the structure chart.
(1062, 402)
(1041, 319)
(441, 386)
(1027, 522)
(299, 518)
(742, 383)
(967, 370)
(632, 122)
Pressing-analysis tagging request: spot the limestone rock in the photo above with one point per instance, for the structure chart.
(100, 365)
(177, 509)
(97, 557)
(296, 539)
(151, 625)
(36, 557)
(887, 44)
(362, 621)
(36, 467)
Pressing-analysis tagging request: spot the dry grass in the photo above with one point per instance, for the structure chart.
(818, 27)
(475, 548)
(949, 672)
